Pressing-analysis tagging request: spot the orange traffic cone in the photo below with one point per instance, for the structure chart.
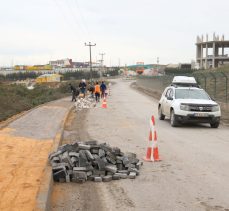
(149, 151)
(104, 104)
(155, 148)
(152, 153)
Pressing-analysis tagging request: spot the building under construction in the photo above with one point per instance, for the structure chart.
(211, 54)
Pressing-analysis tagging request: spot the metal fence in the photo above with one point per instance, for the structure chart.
(216, 84)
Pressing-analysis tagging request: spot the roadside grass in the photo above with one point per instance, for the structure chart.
(17, 98)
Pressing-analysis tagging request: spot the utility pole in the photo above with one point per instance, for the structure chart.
(90, 58)
(102, 60)
(102, 54)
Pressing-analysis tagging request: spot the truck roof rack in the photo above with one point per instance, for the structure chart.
(184, 81)
(185, 85)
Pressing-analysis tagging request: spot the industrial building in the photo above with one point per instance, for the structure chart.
(211, 54)
(61, 63)
(46, 78)
(68, 63)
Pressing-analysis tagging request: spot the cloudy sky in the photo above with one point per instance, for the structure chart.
(36, 31)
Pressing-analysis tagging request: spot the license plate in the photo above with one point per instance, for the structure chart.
(201, 115)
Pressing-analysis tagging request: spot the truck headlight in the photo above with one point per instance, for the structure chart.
(184, 107)
(215, 108)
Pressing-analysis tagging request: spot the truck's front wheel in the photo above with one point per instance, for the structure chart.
(173, 119)
(161, 116)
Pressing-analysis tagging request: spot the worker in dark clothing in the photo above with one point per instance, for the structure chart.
(83, 86)
(103, 88)
(91, 89)
(74, 91)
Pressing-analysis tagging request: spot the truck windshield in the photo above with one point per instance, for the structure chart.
(191, 94)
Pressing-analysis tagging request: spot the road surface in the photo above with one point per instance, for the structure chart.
(193, 173)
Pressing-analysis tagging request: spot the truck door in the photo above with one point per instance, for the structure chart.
(166, 108)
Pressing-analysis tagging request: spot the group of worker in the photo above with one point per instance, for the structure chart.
(97, 90)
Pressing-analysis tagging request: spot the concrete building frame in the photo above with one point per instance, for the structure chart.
(216, 59)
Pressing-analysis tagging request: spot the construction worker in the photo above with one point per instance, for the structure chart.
(103, 88)
(74, 91)
(83, 86)
(91, 89)
(97, 92)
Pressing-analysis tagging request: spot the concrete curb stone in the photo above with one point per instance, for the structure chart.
(43, 198)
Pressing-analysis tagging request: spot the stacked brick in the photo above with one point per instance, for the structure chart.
(79, 162)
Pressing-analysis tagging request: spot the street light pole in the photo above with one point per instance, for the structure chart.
(90, 58)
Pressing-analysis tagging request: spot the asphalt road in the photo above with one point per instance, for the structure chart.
(193, 173)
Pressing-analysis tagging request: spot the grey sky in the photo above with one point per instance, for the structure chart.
(36, 31)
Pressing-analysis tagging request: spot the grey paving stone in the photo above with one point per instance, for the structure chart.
(73, 154)
(59, 174)
(125, 160)
(55, 159)
(66, 158)
(111, 160)
(95, 151)
(101, 164)
(132, 175)
(110, 173)
(121, 175)
(93, 142)
(79, 169)
(55, 154)
(79, 175)
(111, 168)
(115, 177)
(101, 153)
(74, 160)
(98, 179)
(67, 178)
(107, 178)
(134, 170)
(89, 155)
(123, 171)
(84, 146)
(89, 173)
(120, 166)
(98, 172)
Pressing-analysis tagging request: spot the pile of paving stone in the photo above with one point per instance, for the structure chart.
(87, 102)
(79, 162)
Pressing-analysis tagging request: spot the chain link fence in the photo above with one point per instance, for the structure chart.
(215, 84)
